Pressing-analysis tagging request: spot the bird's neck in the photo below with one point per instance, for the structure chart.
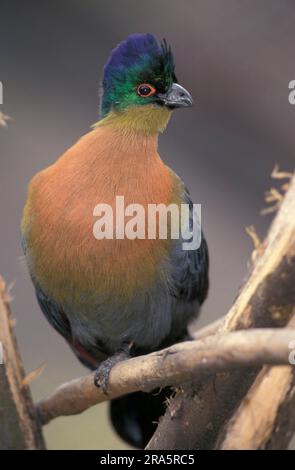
(147, 120)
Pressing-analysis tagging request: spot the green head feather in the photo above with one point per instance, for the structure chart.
(140, 59)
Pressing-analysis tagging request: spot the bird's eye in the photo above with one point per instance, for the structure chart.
(145, 90)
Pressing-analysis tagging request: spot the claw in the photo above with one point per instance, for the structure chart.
(102, 373)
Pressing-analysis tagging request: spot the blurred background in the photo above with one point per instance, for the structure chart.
(235, 57)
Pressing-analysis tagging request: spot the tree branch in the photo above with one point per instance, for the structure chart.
(208, 330)
(266, 300)
(172, 366)
(19, 428)
(265, 418)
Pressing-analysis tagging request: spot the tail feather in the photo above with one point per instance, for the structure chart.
(135, 416)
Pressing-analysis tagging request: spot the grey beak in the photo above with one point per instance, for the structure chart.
(176, 97)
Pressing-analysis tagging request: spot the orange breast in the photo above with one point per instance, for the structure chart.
(66, 259)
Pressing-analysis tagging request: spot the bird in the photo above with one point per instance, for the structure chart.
(115, 298)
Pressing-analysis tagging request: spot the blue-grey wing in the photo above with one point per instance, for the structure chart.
(190, 271)
(54, 314)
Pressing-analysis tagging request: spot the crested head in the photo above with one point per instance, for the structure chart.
(139, 72)
(140, 59)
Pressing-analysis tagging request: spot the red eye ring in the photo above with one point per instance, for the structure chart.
(145, 90)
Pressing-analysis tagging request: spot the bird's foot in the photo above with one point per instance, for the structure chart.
(102, 373)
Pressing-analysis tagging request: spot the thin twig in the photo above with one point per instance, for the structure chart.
(19, 428)
(4, 118)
